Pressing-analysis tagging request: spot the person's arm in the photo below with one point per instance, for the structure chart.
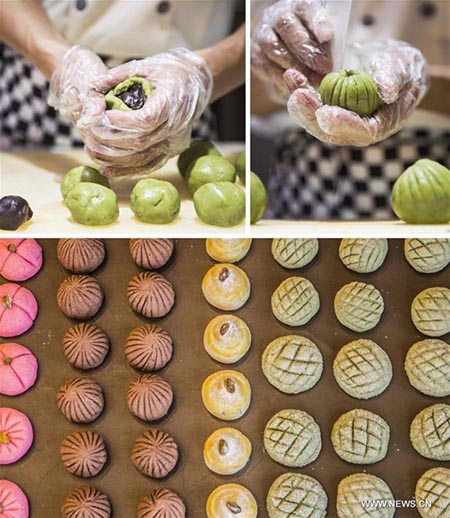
(25, 27)
(226, 61)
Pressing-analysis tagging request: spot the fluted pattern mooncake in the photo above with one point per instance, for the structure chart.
(86, 502)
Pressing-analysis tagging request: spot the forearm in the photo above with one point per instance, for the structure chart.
(226, 60)
(25, 27)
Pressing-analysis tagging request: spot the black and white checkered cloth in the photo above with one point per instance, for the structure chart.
(26, 120)
(313, 180)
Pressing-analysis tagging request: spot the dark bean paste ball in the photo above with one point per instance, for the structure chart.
(14, 211)
(134, 97)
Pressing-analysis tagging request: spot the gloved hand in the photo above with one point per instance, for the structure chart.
(291, 34)
(399, 71)
(128, 142)
(79, 67)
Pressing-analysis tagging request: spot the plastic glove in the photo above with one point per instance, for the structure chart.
(291, 34)
(399, 71)
(130, 142)
(79, 67)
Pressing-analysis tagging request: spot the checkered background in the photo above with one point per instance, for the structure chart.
(312, 180)
(28, 121)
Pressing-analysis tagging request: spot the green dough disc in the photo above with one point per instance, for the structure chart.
(220, 203)
(82, 173)
(209, 168)
(258, 198)
(92, 204)
(155, 201)
(197, 149)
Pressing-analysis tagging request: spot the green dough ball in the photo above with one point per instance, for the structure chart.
(129, 95)
(220, 203)
(421, 193)
(207, 169)
(350, 89)
(197, 149)
(258, 198)
(155, 201)
(83, 173)
(92, 204)
(240, 166)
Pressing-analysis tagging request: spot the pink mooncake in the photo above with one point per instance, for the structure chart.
(16, 435)
(18, 369)
(18, 310)
(20, 259)
(13, 501)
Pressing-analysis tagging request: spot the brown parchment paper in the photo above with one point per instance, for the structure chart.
(45, 480)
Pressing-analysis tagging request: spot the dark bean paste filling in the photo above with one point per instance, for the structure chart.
(134, 97)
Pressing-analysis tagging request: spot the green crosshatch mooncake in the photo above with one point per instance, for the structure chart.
(363, 255)
(358, 306)
(434, 487)
(362, 369)
(427, 366)
(430, 311)
(292, 438)
(430, 432)
(356, 490)
(360, 437)
(292, 364)
(427, 255)
(294, 495)
(294, 253)
(295, 301)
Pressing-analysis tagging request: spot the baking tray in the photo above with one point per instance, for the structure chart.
(45, 480)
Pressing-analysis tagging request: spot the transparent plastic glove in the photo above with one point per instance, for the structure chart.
(130, 142)
(399, 71)
(291, 34)
(73, 76)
